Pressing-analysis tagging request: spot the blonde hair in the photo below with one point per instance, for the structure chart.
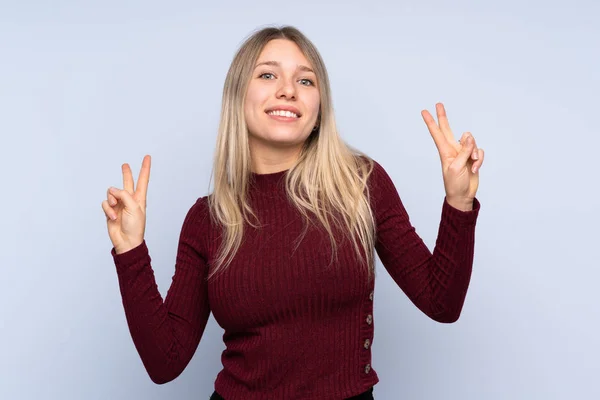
(328, 179)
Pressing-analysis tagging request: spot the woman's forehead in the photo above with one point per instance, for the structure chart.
(283, 53)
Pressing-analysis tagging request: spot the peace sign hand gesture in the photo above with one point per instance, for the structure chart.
(460, 160)
(125, 209)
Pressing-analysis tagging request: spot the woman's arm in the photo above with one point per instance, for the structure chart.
(435, 282)
(166, 334)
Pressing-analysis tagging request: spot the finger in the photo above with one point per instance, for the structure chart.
(143, 179)
(439, 139)
(108, 211)
(465, 153)
(124, 197)
(127, 178)
(463, 139)
(477, 164)
(110, 198)
(475, 152)
(443, 121)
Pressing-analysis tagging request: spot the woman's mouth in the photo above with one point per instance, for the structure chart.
(285, 116)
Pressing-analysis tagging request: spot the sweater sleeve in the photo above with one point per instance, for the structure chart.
(166, 334)
(435, 282)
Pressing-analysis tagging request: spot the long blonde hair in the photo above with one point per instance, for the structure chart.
(329, 178)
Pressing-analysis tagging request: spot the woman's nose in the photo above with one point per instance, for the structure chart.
(286, 89)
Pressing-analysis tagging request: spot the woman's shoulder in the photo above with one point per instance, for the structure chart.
(199, 212)
(376, 174)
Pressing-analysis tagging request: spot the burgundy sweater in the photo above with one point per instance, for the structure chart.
(293, 328)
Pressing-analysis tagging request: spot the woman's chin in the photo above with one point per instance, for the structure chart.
(284, 138)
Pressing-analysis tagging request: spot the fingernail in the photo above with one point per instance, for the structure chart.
(475, 156)
(474, 169)
(112, 190)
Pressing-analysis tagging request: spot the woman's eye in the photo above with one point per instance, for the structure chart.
(268, 75)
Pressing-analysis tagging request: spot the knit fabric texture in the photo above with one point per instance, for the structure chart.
(296, 326)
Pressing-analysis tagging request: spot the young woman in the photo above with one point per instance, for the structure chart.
(282, 251)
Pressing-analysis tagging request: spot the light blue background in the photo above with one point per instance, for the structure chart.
(87, 86)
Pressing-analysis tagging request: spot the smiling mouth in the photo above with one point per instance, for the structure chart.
(281, 113)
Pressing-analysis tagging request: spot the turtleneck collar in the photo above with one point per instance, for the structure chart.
(268, 181)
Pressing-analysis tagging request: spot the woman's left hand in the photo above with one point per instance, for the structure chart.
(460, 160)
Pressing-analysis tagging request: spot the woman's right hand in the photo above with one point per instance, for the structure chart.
(125, 209)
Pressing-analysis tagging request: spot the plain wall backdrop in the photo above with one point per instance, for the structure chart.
(87, 86)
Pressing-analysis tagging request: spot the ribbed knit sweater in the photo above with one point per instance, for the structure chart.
(294, 328)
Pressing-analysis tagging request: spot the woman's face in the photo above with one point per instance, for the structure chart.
(282, 101)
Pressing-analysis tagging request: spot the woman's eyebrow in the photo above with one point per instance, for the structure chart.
(277, 64)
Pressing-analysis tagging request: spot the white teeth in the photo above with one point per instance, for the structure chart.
(282, 113)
